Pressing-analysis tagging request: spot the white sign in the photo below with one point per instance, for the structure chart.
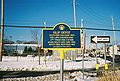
(100, 39)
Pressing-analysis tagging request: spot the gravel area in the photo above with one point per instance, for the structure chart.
(75, 76)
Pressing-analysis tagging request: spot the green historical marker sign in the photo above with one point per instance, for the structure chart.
(61, 36)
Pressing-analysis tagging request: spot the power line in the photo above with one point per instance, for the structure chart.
(23, 26)
(91, 15)
(97, 21)
(99, 24)
(87, 28)
(91, 12)
(70, 22)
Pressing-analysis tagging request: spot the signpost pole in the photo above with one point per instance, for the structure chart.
(61, 70)
(96, 54)
(97, 66)
(105, 52)
(62, 65)
(106, 65)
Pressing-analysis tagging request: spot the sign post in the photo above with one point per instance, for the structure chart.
(62, 38)
(106, 65)
(62, 65)
(101, 39)
(97, 65)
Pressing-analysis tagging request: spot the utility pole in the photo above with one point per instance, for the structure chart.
(82, 33)
(2, 29)
(45, 24)
(75, 24)
(84, 41)
(82, 25)
(45, 49)
(74, 6)
(113, 25)
(82, 47)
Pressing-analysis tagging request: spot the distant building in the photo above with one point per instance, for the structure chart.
(11, 48)
(115, 50)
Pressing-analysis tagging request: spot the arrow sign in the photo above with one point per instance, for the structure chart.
(100, 39)
(94, 39)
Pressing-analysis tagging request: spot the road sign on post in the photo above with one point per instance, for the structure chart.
(100, 39)
(61, 37)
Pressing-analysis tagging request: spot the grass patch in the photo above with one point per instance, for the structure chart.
(110, 76)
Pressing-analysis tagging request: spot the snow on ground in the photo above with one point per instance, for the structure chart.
(32, 64)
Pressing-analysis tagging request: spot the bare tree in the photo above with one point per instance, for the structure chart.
(34, 34)
(37, 38)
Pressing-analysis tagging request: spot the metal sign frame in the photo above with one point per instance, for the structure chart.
(53, 29)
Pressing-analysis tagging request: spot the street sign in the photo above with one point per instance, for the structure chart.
(61, 36)
(100, 39)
